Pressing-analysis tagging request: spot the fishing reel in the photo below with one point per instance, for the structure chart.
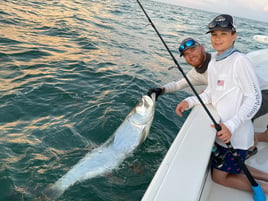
(218, 158)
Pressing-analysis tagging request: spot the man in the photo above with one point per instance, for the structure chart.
(195, 55)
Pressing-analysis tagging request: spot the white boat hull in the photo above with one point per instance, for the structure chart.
(261, 38)
(183, 170)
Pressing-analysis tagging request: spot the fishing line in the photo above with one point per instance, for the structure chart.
(255, 186)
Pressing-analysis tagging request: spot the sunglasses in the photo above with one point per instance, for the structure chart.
(222, 24)
(187, 44)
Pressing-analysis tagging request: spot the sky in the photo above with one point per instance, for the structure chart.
(251, 9)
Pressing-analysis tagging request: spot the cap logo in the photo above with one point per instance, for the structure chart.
(220, 19)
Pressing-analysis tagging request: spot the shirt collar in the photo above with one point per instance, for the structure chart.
(226, 53)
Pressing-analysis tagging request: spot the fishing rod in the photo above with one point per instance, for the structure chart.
(258, 192)
(217, 126)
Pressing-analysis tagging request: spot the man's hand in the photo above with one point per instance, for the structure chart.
(157, 91)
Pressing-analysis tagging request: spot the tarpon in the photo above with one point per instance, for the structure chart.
(127, 137)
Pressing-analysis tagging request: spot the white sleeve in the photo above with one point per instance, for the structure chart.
(205, 97)
(194, 77)
(175, 86)
(249, 85)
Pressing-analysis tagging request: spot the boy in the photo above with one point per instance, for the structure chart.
(234, 91)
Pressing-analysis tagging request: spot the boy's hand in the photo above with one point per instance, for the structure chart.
(181, 107)
(224, 134)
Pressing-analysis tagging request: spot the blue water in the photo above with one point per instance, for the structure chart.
(70, 72)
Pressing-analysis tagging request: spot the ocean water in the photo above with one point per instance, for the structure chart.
(71, 71)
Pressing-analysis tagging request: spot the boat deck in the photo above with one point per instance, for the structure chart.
(216, 192)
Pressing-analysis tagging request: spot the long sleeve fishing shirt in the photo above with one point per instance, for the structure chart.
(234, 91)
(194, 77)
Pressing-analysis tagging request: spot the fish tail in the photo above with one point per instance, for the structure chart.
(53, 192)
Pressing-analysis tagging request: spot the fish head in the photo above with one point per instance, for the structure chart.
(136, 126)
(144, 110)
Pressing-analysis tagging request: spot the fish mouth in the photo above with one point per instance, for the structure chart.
(145, 103)
(149, 100)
